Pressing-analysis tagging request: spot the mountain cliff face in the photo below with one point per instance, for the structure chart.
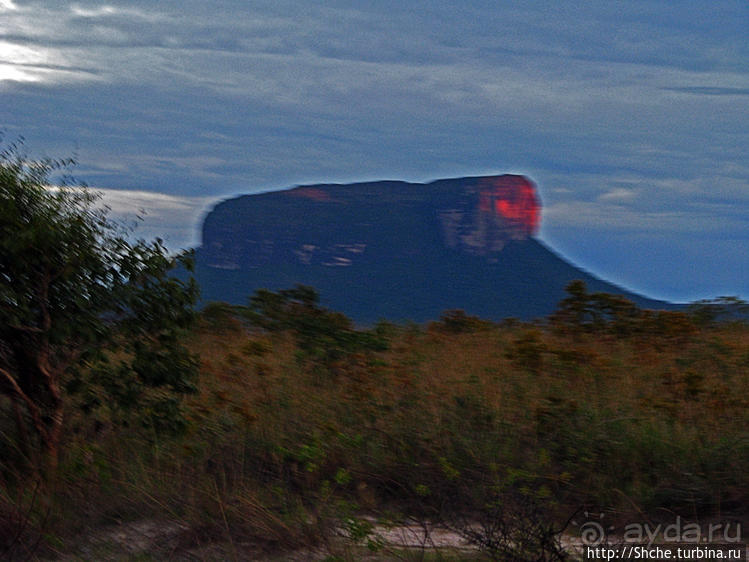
(392, 249)
(340, 225)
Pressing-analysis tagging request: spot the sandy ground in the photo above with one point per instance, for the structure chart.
(147, 540)
(165, 540)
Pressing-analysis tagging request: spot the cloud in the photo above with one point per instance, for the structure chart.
(176, 219)
(705, 222)
(618, 195)
(707, 206)
(125, 201)
(109, 12)
(709, 90)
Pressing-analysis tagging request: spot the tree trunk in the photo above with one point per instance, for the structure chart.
(23, 434)
(54, 416)
(45, 408)
(51, 442)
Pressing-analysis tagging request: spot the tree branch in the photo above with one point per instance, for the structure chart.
(29, 329)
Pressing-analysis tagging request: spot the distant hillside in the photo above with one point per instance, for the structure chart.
(393, 250)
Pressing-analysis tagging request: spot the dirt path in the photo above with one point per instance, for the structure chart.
(147, 540)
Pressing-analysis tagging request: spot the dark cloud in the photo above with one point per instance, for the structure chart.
(709, 91)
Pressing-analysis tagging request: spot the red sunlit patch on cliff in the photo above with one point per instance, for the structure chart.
(514, 199)
(310, 193)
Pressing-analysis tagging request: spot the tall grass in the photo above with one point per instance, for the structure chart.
(281, 451)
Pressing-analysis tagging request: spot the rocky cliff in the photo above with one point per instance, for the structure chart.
(392, 249)
(339, 225)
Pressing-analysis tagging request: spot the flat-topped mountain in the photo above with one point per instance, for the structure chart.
(392, 249)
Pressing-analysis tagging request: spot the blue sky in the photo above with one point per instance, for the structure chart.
(631, 116)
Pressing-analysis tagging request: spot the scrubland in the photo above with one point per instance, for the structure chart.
(308, 435)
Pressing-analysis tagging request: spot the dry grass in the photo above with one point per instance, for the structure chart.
(280, 450)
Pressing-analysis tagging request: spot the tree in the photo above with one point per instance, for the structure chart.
(707, 312)
(73, 289)
(324, 336)
(591, 312)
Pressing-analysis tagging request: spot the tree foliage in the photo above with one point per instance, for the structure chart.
(710, 311)
(73, 291)
(457, 321)
(582, 311)
(324, 336)
(596, 311)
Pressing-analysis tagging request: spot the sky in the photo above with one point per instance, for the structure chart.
(631, 116)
